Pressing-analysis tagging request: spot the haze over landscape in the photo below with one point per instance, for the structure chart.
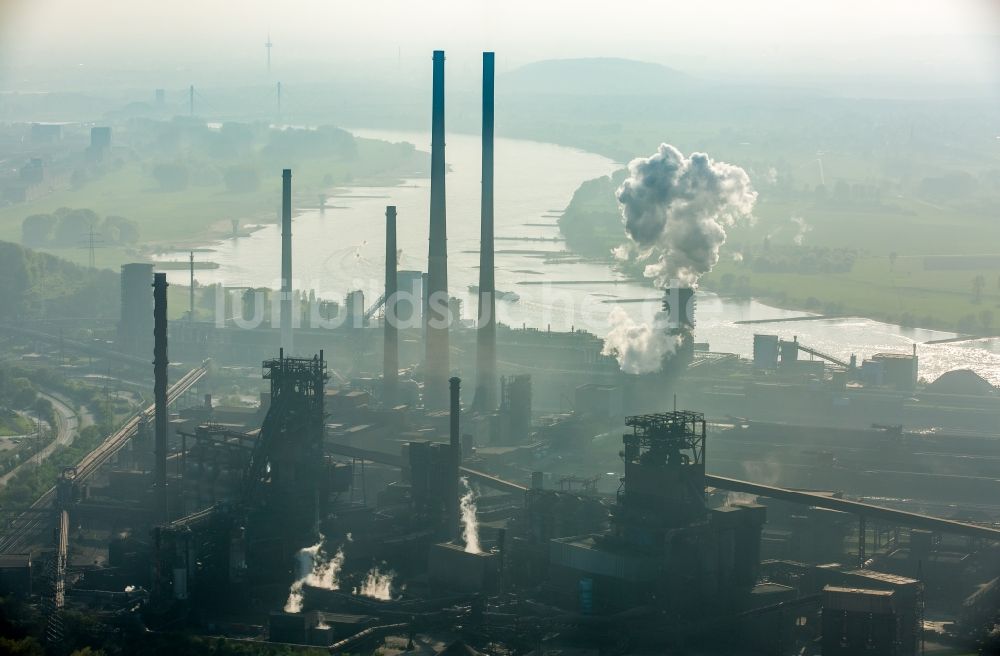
(841, 47)
(500, 328)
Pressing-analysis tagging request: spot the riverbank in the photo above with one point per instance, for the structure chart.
(340, 251)
(207, 185)
(773, 268)
(868, 290)
(819, 265)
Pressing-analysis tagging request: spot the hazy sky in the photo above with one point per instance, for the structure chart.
(726, 38)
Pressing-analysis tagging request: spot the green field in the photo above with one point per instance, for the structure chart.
(870, 177)
(888, 242)
(905, 294)
(204, 209)
(15, 425)
(890, 279)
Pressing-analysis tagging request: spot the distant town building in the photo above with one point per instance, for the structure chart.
(46, 132)
(33, 172)
(100, 141)
(100, 137)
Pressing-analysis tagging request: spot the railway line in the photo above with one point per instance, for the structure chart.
(28, 527)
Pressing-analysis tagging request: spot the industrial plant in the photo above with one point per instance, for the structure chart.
(394, 473)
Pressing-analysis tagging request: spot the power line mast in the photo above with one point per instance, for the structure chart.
(92, 241)
(268, 47)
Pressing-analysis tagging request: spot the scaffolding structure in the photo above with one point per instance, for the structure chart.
(676, 437)
(286, 484)
(664, 482)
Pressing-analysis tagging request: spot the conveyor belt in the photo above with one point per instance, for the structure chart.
(30, 524)
(898, 517)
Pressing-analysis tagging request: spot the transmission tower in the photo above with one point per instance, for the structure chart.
(92, 241)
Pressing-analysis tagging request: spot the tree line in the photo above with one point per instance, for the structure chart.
(68, 228)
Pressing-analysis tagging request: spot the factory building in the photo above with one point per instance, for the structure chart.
(665, 545)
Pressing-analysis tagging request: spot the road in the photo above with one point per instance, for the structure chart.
(31, 525)
(67, 425)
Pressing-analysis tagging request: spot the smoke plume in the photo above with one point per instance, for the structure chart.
(317, 569)
(677, 209)
(470, 525)
(639, 347)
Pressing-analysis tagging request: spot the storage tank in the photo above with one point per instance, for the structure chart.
(135, 327)
(765, 351)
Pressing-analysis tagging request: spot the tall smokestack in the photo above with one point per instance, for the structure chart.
(456, 455)
(191, 291)
(679, 304)
(486, 334)
(160, 390)
(286, 261)
(390, 360)
(437, 314)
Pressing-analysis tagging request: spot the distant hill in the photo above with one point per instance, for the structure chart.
(596, 76)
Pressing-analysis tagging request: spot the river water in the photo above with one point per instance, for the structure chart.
(343, 249)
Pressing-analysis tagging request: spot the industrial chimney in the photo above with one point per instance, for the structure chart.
(456, 455)
(390, 358)
(286, 261)
(486, 333)
(160, 391)
(436, 312)
(679, 303)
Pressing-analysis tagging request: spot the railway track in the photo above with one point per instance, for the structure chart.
(29, 526)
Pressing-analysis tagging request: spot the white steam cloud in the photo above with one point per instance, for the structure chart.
(470, 525)
(622, 252)
(639, 347)
(377, 584)
(677, 209)
(733, 498)
(803, 228)
(317, 569)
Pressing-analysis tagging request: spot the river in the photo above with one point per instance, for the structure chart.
(343, 249)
